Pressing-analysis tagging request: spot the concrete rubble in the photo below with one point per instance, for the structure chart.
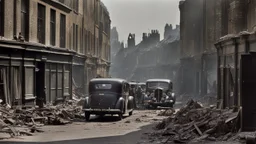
(20, 121)
(193, 123)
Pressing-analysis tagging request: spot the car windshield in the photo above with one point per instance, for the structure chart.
(103, 86)
(154, 85)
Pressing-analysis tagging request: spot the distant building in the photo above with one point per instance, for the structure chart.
(131, 40)
(115, 43)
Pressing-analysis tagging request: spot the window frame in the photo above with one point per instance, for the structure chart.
(53, 27)
(2, 2)
(41, 23)
(62, 31)
(76, 6)
(25, 14)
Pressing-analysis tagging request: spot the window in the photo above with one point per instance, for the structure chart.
(53, 27)
(41, 24)
(29, 77)
(154, 85)
(66, 80)
(2, 17)
(53, 82)
(85, 5)
(81, 41)
(60, 81)
(62, 31)
(75, 5)
(25, 19)
(75, 37)
(103, 86)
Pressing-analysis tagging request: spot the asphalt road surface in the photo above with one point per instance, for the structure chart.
(106, 130)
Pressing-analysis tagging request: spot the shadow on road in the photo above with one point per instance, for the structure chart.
(106, 118)
(130, 138)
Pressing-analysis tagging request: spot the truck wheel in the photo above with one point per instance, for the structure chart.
(87, 116)
(130, 113)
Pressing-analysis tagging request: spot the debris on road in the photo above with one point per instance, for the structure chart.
(168, 112)
(193, 122)
(18, 121)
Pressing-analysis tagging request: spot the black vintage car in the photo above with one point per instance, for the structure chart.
(159, 92)
(108, 96)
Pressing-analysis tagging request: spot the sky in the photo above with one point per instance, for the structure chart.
(138, 16)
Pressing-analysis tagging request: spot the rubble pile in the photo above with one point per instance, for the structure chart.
(18, 121)
(168, 112)
(193, 122)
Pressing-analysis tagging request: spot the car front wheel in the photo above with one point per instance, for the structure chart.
(120, 116)
(87, 116)
(130, 113)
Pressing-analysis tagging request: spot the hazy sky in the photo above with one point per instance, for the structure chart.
(138, 16)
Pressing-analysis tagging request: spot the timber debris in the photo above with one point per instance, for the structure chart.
(193, 123)
(19, 121)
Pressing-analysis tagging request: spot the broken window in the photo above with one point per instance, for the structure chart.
(41, 24)
(2, 17)
(53, 27)
(29, 86)
(62, 31)
(25, 19)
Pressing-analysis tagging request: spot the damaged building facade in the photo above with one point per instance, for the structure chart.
(200, 22)
(48, 49)
(151, 58)
(236, 55)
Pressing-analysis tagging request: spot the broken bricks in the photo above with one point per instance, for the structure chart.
(196, 123)
(32, 118)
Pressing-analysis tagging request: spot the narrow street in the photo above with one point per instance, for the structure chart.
(109, 130)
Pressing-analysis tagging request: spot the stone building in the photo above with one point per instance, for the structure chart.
(151, 58)
(239, 20)
(48, 49)
(115, 43)
(200, 24)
